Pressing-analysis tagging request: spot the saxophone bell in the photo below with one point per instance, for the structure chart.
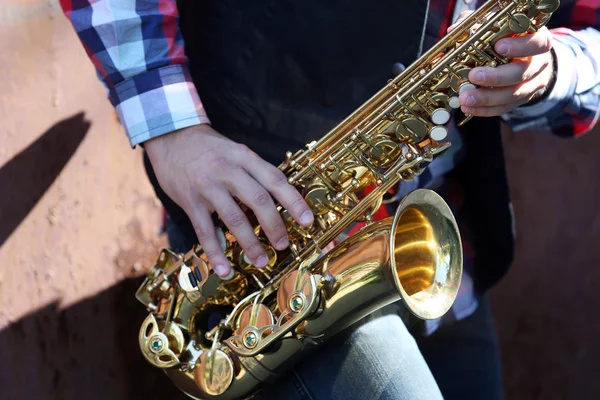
(426, 254)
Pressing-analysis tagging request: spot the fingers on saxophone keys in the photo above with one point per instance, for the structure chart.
(515, 72)
(525, 46)
(493, 111)
(488, 97)
(207, 237)
(277, 184)
(259, 200)
(237, 222)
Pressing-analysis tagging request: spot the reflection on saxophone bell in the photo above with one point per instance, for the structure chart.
(222, 339)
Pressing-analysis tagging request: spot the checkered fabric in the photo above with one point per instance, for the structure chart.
(137, 49)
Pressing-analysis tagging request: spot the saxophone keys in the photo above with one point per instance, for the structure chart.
(384, 152)
(440, 116)
(293, 227)
(161, 347)
(519, 23)
(439, 98)
(213, 372)
(245, 262)
(317, 198)
(357, 176)
(548, 6)
(463, 37)
(454, 102)
(287, 290)
(541, 20)
(263, 317)
(466, 119)
(438, 133)
(411, 130)
(459, 77)
(465, 87)
(199, 269)
(440, 83)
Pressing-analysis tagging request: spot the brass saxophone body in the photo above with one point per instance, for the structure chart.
(222, 339)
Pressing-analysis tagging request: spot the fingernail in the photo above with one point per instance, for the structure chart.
(261, 261)
(282, 243)
(306, 218)
(470, 101)
(502, 49)
(223, 271)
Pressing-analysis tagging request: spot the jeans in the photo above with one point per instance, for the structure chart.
(376, 358)
(380, 358)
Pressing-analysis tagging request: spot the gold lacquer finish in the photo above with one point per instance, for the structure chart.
(221, 339)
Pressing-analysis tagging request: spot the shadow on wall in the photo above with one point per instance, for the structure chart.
(86, 351)
(26, 177)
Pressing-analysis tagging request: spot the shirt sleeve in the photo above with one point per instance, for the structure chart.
(571, 107)
(137, 49)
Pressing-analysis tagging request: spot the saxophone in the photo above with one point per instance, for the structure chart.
(222, 339)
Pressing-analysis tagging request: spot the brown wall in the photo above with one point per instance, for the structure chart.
(547, 306)
(78, 221)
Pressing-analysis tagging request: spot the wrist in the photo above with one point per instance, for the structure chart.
(161, 143)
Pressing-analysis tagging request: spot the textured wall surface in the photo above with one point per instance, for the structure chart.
(546, 307)
(79, 222)
(77, 216)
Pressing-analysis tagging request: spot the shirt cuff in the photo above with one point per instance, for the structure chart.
(563, 90)
(157, 102)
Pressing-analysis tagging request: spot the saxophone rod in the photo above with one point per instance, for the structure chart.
(438, 48)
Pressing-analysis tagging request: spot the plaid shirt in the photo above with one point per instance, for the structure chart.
(137, 49)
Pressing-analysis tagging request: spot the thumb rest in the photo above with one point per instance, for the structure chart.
(222, 339)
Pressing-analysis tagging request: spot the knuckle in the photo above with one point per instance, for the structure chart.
(277, 226)
(235, 219)
(278, 177)
(244, 150)
(203, 233)
(218, 162)
(212, 254)
(261, 198)
(186, 201)
(298, 201)
(202, 182)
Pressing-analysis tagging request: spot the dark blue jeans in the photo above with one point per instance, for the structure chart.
(378, 358)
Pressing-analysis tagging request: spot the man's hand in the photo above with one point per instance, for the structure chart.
(202, 171)
(508, 86)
